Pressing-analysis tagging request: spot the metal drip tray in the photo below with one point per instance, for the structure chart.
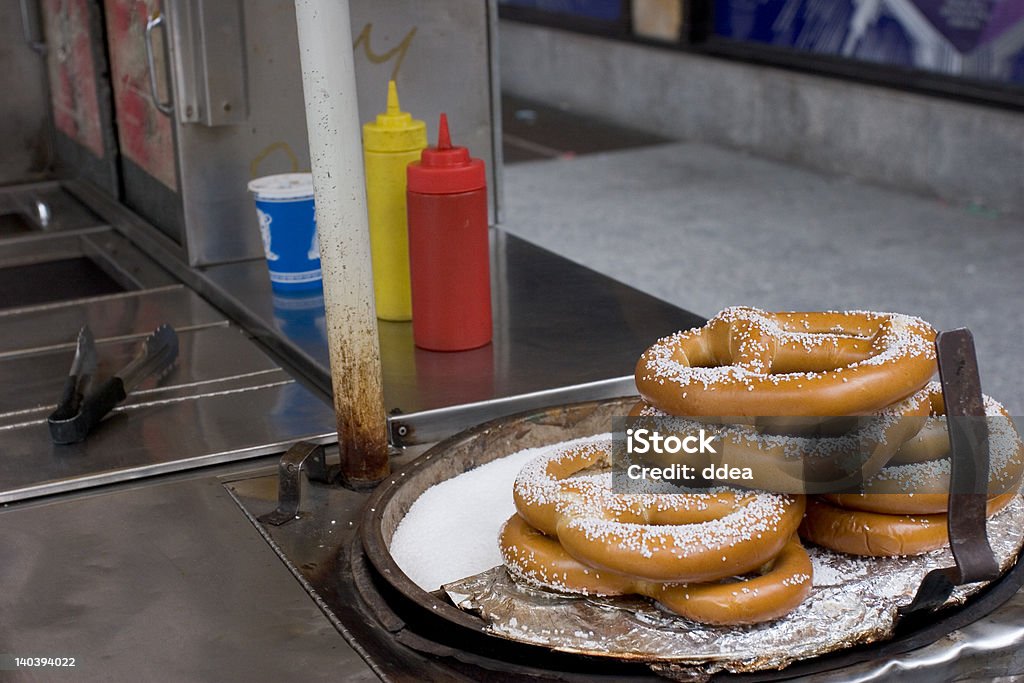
(41, 268)
(51, 281)
(224, 400)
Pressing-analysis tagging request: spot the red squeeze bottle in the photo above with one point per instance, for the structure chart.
(449, 258)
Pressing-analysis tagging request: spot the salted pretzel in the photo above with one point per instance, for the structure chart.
(880, 535)
(679, 537)
(780, 586)
(746, 362)
(931, 443)
(801, 464)
(918, 482)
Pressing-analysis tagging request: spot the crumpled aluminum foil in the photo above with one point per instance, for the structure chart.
(854, 601)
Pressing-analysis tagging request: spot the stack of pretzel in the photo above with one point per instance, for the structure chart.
(727, 556)
(574, 534)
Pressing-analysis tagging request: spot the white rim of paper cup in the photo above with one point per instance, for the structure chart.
(283, 186)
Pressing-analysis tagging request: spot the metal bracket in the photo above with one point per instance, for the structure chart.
(207, 59)
(289, 480)
(968, 494)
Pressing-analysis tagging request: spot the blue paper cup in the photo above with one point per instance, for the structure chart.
(287, 219)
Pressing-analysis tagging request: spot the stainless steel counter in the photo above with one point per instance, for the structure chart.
(224, 400)
(163, 580)
(562, 333)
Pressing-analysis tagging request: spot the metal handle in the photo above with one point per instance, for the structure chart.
(968, 480)
(31, 26)
(168, 106)
(64, 430)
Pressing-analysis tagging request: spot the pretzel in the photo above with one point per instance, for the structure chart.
(880, 535)
(805, 465)
(919, 486)
(782, 584)
(931, 443)
(681, 537)
(745, 362)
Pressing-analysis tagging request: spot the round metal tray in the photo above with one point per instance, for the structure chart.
(493, 440)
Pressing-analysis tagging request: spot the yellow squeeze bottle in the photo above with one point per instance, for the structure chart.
(389, 144)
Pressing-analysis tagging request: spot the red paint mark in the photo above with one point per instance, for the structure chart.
(144, 133)
(72, 73)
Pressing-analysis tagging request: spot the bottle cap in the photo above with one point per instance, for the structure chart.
(446, 169)
(394, 130)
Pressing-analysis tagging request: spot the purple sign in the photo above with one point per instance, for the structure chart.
(981, 39)
(962, 22)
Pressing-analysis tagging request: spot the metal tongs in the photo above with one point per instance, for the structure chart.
(77, 413)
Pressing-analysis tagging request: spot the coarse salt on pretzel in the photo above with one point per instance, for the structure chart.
(805, 464)
(677, 537)
(746, 362)
(780, 586)
(918, 484)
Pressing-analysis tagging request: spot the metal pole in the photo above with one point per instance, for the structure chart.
(332, 119)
